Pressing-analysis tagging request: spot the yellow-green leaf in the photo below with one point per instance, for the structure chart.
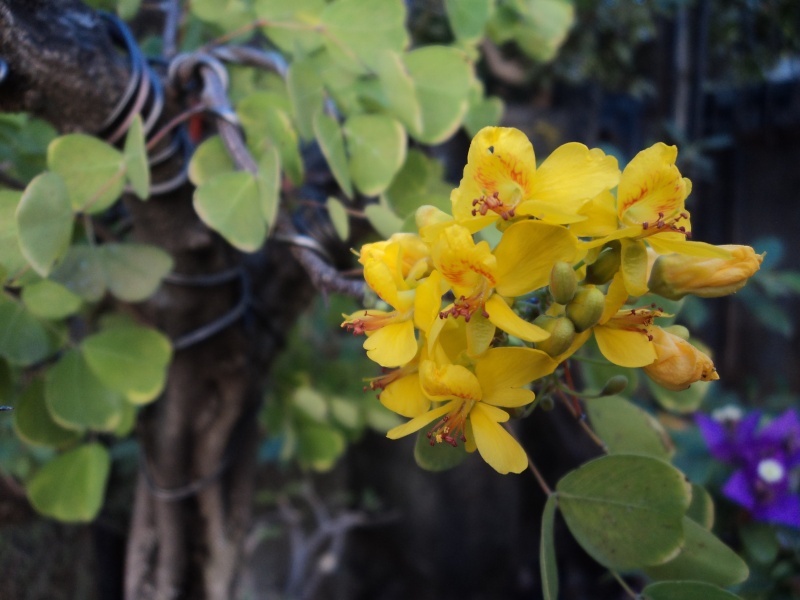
(135, 155)
(377, 147)
(331, 142)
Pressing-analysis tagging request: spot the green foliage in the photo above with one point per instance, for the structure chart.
(547, 550)
(437, 457)
(685, 590)
(44, 222)
(135, 157)
(628, 429)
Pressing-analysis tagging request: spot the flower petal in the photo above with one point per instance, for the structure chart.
(405, 396)
(443, 382)
(526, 254)
(496, 446)
(511, 367)
(501, 315)
(463, 263)
(509, 397)
(601, 217)
(663, 244)
(623, 347)
(419, 422)
(634, 266)
(392, 345)
(651, 186)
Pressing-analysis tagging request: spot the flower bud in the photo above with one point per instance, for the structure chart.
(586, 308)
(562, 333)
(563, 282)
(606, 266)
(675, 275)
(678, 364)
(614, 385)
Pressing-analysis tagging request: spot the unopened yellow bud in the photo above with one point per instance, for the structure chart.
(563, 282)
(586, 308)
(678, 364)
(676, 275)
(562, 333)
(606, 266)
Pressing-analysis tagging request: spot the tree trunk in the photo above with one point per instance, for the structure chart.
(197, 442)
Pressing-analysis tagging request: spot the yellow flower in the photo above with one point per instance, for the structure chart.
(650, 207)
(678, 363)
(480, 278)
(398, 270)
(468, 401)
(626, 339)
(675, 275)
(501, 180)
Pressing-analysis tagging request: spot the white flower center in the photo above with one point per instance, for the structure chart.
(770, 470)
(727, 413)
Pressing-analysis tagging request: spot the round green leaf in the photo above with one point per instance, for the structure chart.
(339, 217)
(437, 457)
(298, 41)
(377, 146)
(331, 142)
(627, 429)
(82, 272)
(683, 401)
(269, 185)
(77, 399)
(72, 486)
(547, 551)
(442, 77)
(310, 403)
(44, 222)
(318, 446)
(307, 94)
(383, 219)
(11, 257)
(135, 156)
(468, 17)
(685, 590)
(23, 339)
(230, 204)
(398, 89)
(93, 171)
(625, 510)
(33, 423)
(346, 412)
(544, 27)
(356, 30)
(701, 510)
(760, 541)
(482, 112)
(133, 272)
(703, 558)
(131, 360)
(50, 300)
(210, 159)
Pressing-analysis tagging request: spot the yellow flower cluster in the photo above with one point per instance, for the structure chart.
(563, 228)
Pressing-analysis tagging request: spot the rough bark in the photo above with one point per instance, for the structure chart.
(200, 436)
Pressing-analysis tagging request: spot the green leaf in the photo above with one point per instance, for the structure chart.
(133, 272)
(310, 403)
(127, 9)
(33, 423)
(383, 219)
(468, 17)
(626, 511)
(703, 558)
(44, 222)
(23, 339)
(293, 40)
(437, 457)
(683, 401)
(269, 185)
(339, 217)
(345, 412)
(547, 551)
(135, 156)
(230, 204)
(210, 159)
(482, 112)
(760, 541)
(82, 272)
(77, 399)
(93, 171)
(356, 31)
(442, 76)
(543, 27)
(331, 142)
(377, 146)
(400, 94)
(132, 360)
(307, 94)
(50, 300)
(72, 486)
(627, 429)
(11, 257)
(685, 590)
(318, 446)
(701, 510)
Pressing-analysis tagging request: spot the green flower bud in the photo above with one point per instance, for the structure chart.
(562, 333)
(606, 266)
(586, 308)
(614, 385)
(563, 282)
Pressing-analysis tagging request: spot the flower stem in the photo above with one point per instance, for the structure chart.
(624, 585)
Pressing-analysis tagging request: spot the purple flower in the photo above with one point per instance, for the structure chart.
(764, 482)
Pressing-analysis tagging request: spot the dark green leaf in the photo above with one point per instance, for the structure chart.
(82, 272)
(701, 510)
(626, 511)
(33, 423)
(547, 551)
(71, 487)
(11, 257)
(133, 272)
(319, 446)
(23, 339)
(437, 457)
(686, 590)
(627, 429)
